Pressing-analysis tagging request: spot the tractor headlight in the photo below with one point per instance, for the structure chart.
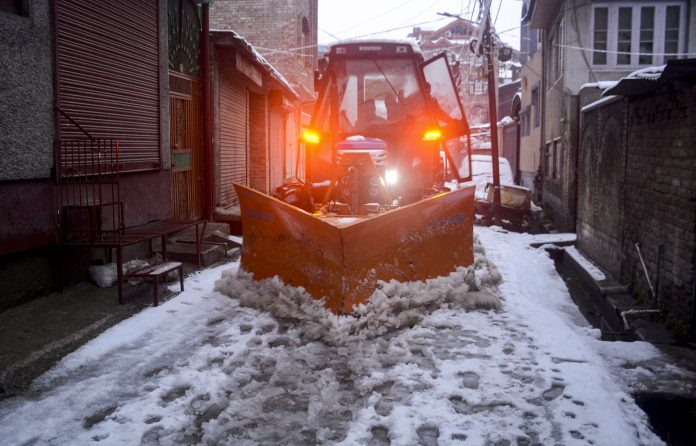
(391, 177)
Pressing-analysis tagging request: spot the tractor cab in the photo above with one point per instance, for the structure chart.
(387, 129)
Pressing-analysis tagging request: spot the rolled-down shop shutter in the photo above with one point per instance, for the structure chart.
(108, 74)
(233, 136)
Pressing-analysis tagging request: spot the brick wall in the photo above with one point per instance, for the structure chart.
(660, 193)
(258, 144)
(642, 191)
(275, 25)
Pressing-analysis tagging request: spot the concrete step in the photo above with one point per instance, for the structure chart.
(210, 227)
(232, 216)
(215, 237)
(621, 302)
(186, 252)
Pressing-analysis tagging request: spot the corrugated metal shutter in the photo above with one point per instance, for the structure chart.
(233, 136)
(108, 74)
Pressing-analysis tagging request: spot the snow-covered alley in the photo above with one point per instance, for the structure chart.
(241, 362)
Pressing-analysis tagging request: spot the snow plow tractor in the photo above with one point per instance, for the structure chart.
(384, 154)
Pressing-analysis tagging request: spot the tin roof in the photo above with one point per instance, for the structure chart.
(647, 80)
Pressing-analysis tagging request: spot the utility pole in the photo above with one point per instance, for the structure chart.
(486, 46)
(487, 42)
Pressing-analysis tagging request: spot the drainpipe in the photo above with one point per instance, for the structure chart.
(542, 131)
(518, 150)
(647, 276)
(577, 160)
(207, 114)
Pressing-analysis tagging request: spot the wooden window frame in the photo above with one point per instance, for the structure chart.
(658, 36)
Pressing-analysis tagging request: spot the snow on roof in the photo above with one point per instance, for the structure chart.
(259, 59)
(599, 102)
(506, 121)
(602, 85)
(648, 73)
(650, 79)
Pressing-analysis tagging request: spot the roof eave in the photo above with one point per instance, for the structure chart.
(542, 13)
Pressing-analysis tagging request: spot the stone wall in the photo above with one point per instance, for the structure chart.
(637, 184)
(26, 95)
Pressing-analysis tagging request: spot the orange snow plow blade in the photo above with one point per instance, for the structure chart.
(340, 259)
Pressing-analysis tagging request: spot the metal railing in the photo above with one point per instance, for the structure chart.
(87, 173)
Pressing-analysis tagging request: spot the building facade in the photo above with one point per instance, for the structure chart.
(592, 42)
(284, 37)
(637, 187)
(77, 72)
(530, 123)
(284, 32)
(255, 115)
(125, 79)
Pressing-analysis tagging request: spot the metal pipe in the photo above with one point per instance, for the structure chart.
(576, 169)
(645, 270)
(660, 253)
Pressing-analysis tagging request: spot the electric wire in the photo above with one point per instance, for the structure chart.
(497, 13)
(637, 53)
(423, 11)
(400, 5)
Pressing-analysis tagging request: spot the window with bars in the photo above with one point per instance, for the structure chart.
(626, 35)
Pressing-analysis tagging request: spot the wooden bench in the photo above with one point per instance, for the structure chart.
(155, 272)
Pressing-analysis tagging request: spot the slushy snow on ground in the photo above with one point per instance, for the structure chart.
(492, 354)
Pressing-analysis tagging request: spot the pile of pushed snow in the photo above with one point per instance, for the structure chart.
(392, 306)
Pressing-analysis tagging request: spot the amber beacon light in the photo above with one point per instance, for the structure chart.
(311, 137)
(432, 135)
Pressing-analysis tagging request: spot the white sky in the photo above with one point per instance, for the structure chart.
(356, 18)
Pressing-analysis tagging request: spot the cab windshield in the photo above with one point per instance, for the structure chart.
(373, 95)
